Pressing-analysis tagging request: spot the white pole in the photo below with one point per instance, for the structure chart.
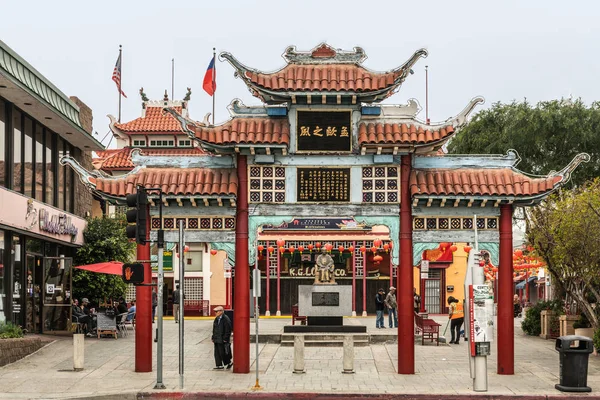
(181, 300)
(480, 365)
(159, 335)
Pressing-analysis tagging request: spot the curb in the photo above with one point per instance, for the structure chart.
(345, 396)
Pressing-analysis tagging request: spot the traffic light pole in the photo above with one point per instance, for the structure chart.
(143, 332)
(159, 333)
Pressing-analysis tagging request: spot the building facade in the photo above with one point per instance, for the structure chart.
(322, 165)
(42, 205)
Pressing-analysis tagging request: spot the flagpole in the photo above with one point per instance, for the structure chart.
(121, 78)
(214, 76)
(173, 79)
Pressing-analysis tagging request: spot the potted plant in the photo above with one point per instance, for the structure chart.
(583, 327)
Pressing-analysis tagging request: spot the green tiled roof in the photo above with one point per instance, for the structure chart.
(23, 74)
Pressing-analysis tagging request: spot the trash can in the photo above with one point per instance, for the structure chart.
(573, 352)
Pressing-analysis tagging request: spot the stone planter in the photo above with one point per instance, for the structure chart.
(566, 324)
(587, 332)
(546, 316)
(12, 350)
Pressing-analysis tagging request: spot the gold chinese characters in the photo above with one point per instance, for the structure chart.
(329, 131)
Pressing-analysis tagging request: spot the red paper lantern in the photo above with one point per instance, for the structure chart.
(481, 263)
(377, 242)
(518, 253)
(351, 249)
(318, 245)
(292, 249)
(186, 248)
(282, 249)
(453, 248)
(374, 249)
(377, 259)
(328, 247)
(213, 252)
(310, 247)
(300, 249)
(261, 248)
(391, 245)
(280, 242)
(363, 249)
(386, 247)
(341, 249)
(467, 249)
(270, 249)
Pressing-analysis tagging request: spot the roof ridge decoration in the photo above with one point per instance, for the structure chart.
(206, 161)
(566, 172)
(324, 54)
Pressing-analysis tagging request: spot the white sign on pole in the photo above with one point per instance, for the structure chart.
(424, 275)
(256, 279)
(227, 274)
(424, 266)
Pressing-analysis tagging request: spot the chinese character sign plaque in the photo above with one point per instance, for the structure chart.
(324, 131)
(323, 184)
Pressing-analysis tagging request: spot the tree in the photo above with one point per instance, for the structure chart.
(564, 231)
(105, 240)
(546, 136)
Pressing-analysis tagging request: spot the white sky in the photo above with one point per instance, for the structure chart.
(539, 50)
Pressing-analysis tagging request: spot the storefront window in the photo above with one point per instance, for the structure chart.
(17, 177)
(61, 175)
(3, 305)
(17, 280)
(39, 162)
(2, 144)
(28, 179)
(68, 180)
(49, 170)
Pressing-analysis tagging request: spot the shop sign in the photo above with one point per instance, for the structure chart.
(26, 214)
(324, 131)
(329, 224)
(167, 261)
(300, 272)
(323, 185)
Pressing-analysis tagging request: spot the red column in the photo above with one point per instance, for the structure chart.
(241, 299)
(406, 333)
(278, 311)
(268, 268)
(506, 329)
(364, 282)
(354, 279)
(143, 318)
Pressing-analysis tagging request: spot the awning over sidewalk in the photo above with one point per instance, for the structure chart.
(521, 285)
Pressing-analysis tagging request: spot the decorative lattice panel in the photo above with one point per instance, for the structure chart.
(267, 184)
(380, 184)
(455, 223)
(193, 288)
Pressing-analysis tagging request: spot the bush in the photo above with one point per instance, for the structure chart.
(596, 339)
(532, 324)
(582, 322)
(9, 330)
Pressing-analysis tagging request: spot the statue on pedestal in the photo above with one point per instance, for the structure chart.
(324, 269)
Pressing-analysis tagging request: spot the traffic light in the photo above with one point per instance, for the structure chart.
(138, 215)
(133, 273)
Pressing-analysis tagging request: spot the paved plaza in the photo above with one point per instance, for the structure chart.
(441, 370)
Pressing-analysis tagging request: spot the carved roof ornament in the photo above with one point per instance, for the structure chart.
(324, 54)
(166, 97)
(188, 95)
(143, 95)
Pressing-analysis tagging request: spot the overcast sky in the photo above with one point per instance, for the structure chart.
(539, 50)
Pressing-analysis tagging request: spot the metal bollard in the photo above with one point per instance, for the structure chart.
(78, 351)
(348, 355)
(298, 354)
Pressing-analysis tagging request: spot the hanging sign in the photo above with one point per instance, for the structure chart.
(298, 224)
(324, 131)
(323, 185)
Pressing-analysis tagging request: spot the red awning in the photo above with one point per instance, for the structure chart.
(109, 267)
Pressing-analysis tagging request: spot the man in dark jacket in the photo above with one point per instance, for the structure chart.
(176, 303)
(379, 307)
(220, 337)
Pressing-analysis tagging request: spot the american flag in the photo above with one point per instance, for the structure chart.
(117, 75)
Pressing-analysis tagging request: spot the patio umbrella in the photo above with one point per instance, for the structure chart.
(109, 267)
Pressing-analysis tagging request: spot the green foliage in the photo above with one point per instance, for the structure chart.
(532, 323)
(596, 338)
(563, 230)
(582, 322)
(9, 330)
(105, 240)
(546, 136)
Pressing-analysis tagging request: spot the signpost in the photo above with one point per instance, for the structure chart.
(256, 294)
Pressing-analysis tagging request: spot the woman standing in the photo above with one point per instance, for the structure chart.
(457, 317)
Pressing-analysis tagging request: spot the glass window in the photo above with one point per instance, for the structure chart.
(2, 145)
(68, 180)
(39, 162)
(17, 280)
(28, 153)
(61, 175)
(17, 186)
(3, 306)
(49, 170)
(139, 142)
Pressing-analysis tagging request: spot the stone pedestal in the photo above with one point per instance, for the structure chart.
(566, 324)
(546, 316)
(348, 361)
(298, 354)
(78, 351)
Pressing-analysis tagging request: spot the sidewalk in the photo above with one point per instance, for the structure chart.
(441, 371)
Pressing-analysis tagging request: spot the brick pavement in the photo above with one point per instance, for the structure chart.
(441, 371)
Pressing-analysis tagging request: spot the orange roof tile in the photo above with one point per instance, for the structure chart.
(247, 131)
(155, 121)
(379, 133)
(328, 77)
(121, 159)
(479, 182)
(174, 181)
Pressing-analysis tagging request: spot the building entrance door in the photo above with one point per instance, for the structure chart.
(432, 296)
(34, 279)
(56, 296)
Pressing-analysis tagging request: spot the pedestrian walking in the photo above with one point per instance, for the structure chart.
(154, 304)
(379, 307)
(416, 301)
(392, 306)
(176, 304)
(456, 315)
(221, 338)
